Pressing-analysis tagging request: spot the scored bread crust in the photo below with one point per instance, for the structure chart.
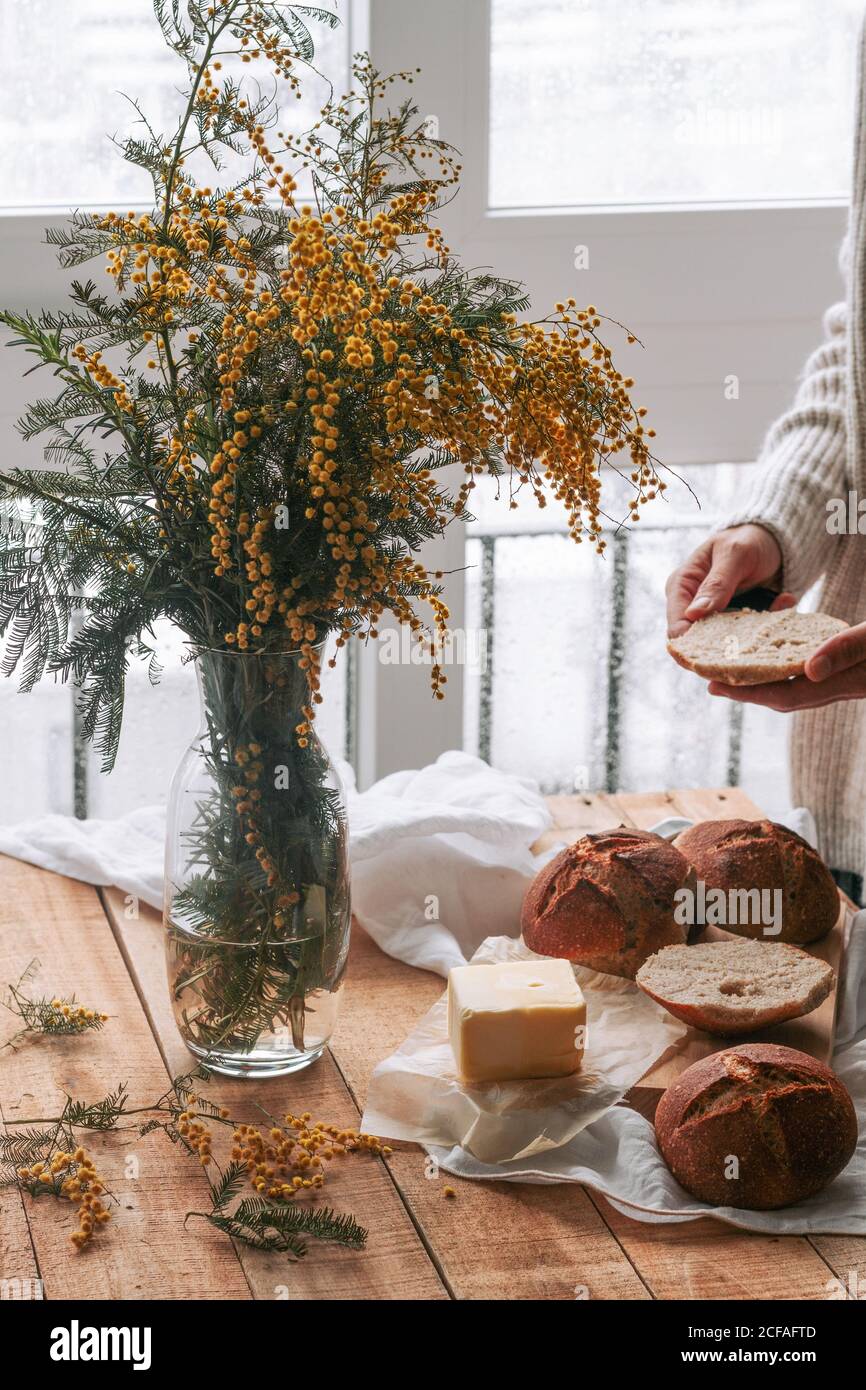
(735, 987)
(742, 647)
(607, 901)
(786, 1118)
(760, 854)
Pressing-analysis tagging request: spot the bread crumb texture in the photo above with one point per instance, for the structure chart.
(741, 647)
(731, 987)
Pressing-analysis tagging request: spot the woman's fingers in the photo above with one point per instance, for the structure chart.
(730, 566)
(783, 601)
(737, 559)
(839, 653)
(785, 696)
(682, 586)
(799, 693)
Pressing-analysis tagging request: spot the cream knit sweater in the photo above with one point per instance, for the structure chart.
(815, 453)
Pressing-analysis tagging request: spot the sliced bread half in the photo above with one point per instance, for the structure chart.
(732, 987)
(741, 647)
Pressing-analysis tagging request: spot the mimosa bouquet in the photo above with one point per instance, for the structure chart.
(250, 436)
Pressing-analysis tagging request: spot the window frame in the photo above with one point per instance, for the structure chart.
(779, 244)
(31, 279)
(711, 288)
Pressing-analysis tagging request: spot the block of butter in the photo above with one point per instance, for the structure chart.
(515, 1020)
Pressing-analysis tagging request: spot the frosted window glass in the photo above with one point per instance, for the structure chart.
(65, 64)
(35, 751)
(670, 101)
(670, 733)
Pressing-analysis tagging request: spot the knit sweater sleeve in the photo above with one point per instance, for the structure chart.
(804, 463)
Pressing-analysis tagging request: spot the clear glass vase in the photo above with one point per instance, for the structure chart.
(257, 907)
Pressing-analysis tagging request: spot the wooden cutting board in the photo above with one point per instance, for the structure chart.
(814, 1033)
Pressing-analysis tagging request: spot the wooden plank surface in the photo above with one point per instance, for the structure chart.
(395, 1263)
(19, 1270)
(516, 1240)
(498, 1257)
(493, 1240)
(706, 1259)
(144, 1251)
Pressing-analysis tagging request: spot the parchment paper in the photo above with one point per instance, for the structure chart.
(415, 1094)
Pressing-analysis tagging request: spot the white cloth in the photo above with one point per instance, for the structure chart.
(127, 852)
(440, 858)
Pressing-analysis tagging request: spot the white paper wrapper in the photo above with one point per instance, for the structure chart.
(415, 1094)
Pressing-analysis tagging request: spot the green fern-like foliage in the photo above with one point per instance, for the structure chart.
(109, 545)
(119, 530)
(47, 1015)
(102, 1114)
(250, 433)
(270, 1226)
(21, 1148)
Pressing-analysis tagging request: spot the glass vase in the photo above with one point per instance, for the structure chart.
(257, 907)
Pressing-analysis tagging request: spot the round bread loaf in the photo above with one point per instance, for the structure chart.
(607, 901)
(744, 856)
(741, 647)
(756, 1126)
(734, 987)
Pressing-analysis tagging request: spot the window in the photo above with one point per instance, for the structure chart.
(74, 63)
(684, 167)
(64, 68)
(665, 102)
(559, 621)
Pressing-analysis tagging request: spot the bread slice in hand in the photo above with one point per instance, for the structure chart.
(741, 647)
(733, 987)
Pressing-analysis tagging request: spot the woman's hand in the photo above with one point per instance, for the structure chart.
(837, 671)
(743, 557)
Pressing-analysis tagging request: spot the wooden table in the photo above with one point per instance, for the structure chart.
(491, 1241)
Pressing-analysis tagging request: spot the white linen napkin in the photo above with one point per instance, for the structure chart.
(127, 852)
(440, 857)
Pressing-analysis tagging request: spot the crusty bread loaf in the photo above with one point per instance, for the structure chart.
(756, 1126)
(607, 901)
(740, 647)
(744, 855)
(735, 987)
